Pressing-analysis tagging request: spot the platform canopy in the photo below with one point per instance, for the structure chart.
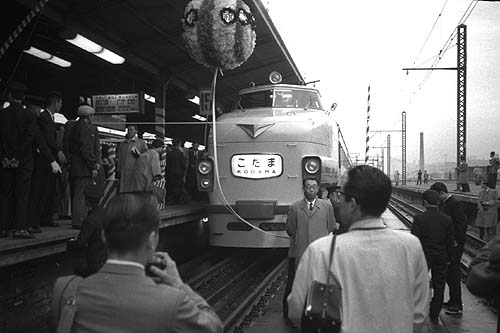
(147, 33)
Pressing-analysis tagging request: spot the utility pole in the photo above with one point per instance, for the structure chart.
(403, 150)
(389, 155)
(461, 89)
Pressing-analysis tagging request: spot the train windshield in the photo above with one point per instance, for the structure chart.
(280, 98)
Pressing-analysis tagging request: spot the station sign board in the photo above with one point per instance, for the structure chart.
(118, 103)
(205, 102)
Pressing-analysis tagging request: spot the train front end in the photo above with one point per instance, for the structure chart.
(275, 137)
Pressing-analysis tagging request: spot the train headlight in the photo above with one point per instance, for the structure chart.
(311, 166)
(275, 77)
(204, 167)
(205, 183)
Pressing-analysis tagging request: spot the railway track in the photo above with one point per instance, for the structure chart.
(239, 285)
(405, 211)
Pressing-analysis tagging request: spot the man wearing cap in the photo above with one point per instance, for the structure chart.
(43, 184)
(85, 156)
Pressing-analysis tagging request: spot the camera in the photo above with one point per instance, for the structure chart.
(160, 265)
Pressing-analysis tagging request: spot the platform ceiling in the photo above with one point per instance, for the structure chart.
(147, 33)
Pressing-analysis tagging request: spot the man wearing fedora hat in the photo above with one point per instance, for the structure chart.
(85, 156)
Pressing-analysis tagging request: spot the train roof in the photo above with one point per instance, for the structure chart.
(277, 86)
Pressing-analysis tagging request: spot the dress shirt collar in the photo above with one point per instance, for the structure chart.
(125, 263)
(308, 202)
(368, 224)
(50, 113)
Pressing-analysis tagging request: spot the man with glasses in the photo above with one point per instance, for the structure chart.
(308, 219)
(382, 271)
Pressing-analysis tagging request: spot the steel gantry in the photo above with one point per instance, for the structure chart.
(461, 92)
(461, 89)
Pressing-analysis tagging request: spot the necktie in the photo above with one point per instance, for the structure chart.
(310, 206)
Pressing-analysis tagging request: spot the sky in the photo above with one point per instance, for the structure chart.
(349, 45)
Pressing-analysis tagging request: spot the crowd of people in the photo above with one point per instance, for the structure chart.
(49, 161)
(375, 264)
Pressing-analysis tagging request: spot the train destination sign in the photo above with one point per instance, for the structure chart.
(257, 166)
(118, 103)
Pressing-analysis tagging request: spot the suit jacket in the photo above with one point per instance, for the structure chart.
(17, 135)
(435, 231)
(305, 226)
(121, 298)
(84, 149)
(48, 131)
(454, 209)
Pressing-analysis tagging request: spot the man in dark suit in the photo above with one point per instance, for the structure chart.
(191, 184)
(435, 231)
(17, 135)
(43, 183)
(120, 297)
(454, 209)
(85, 159)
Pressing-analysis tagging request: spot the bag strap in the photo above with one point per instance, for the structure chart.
(332, 247)
(65, 302)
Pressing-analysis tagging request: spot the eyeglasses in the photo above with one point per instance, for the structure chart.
(346, 195)
(311, 187)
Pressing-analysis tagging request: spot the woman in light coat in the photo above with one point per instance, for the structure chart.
(487, 212)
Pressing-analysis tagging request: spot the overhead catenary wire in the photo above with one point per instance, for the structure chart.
(448, 43)
(430, 32)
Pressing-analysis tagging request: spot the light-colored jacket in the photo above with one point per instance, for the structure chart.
(121, 298)
(383, 275)
(305, 226)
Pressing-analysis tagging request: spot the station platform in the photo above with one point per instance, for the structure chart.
(53, 240)
(451, 185)
(477, 317)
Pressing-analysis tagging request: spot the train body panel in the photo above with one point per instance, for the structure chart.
(276, 136)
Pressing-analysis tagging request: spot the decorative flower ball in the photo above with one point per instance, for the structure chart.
(219, 33)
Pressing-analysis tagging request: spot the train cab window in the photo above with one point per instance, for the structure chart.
(288, 98)
(257, 99)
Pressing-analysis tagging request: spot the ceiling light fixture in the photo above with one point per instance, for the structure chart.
(149, 98)
(195, 100)
(47, 56)
(198, 117)
(96, 49)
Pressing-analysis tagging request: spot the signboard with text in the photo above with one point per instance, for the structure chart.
(205, 102)
(118, 103)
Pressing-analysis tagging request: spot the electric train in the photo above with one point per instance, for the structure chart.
(275, 136)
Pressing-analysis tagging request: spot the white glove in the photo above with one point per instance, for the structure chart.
(55, 167)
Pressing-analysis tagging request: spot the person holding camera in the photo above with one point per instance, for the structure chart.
(120, 297)
(487, 212)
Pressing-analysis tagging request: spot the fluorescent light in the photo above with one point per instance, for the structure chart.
(198, 117)
(96, 49)
(48, 57)
(110, 57)
(85, 44)
(195, 100)
(111, 131)
(149, 98)
(148, 136)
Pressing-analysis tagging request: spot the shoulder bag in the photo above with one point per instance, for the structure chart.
(323, 307)
(64, 302)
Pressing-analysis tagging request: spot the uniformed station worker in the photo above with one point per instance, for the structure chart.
(85, 153)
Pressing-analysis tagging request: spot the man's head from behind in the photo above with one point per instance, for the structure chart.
(365, 193)
(441, 189)
(131, 225)
(430, 198)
